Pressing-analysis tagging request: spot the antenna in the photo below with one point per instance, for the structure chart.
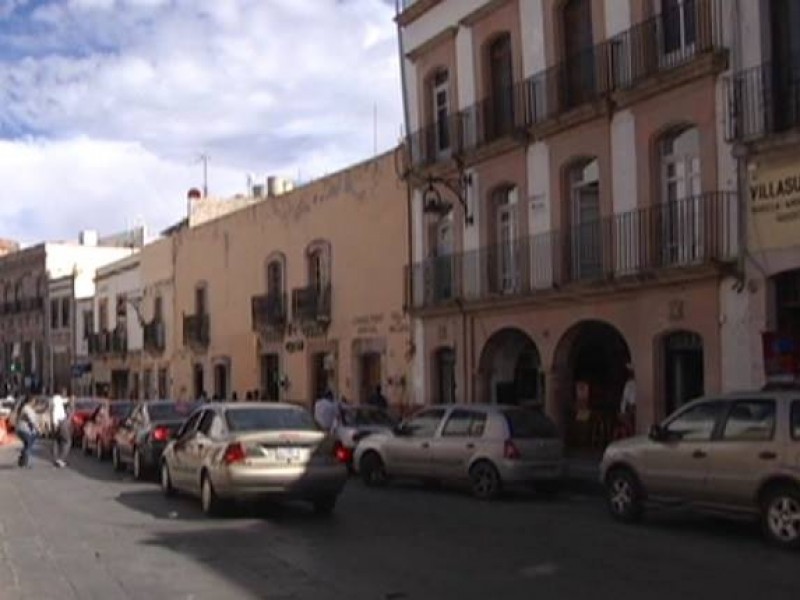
(375, 129)
(204, 158)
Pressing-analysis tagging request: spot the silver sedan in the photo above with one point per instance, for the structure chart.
(225, 452)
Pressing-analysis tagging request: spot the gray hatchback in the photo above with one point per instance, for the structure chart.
(488, 446)
(733, 453)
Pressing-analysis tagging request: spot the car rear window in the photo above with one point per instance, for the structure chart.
(269, 419)
(365, 417)
(795, 421)
(530, 423)
(170, 411)
(120, 409)
(86, 405)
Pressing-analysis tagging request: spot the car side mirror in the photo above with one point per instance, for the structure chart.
(657, 433)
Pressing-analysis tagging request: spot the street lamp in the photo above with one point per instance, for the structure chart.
(432, 201)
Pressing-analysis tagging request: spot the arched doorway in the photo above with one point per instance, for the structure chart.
(683, 369)
(510, 369)
(591, 368)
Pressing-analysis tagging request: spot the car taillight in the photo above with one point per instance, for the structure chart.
(78, 419)
(342, 453)
(161, 434)
(510, 451)
(234, 453)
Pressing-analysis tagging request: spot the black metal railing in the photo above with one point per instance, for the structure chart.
(312, 304)
(268, 311)
(196, 330)
(154, 336)
(100, 343)
(763, 101)
(655, 46)
(664, 42)
(691, 232)
(119, 340)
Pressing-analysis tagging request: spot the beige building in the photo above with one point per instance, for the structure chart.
(574, 205)
(297, 293)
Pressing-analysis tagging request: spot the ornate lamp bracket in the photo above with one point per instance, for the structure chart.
(432, 201)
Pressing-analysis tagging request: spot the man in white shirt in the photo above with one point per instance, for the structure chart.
(326, 411)
(62, 436)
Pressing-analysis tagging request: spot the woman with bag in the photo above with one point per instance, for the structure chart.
(27, 430)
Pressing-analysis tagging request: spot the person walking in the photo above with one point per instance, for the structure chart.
(325, 411)
(27, 430)
(377, 399)
(62, 433)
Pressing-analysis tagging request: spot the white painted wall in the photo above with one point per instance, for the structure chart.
(539, 214)
(742, 319)
(465, 67)
(128, 283)
(531, 22)
(623, 161)
(437, 20)
(421, 365)
(618, 16)
(411, 91)
(749, 21)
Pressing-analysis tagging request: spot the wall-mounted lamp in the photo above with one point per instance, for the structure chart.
(432, 201)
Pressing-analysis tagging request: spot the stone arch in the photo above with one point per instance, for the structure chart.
(510, 369)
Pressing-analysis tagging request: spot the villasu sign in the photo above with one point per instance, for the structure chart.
(774, 205)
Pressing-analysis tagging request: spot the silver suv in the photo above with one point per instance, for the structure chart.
(488, 446)
(737, 453)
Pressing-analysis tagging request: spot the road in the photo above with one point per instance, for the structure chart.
(86, 532)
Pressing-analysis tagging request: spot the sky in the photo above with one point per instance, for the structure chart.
(106, 106)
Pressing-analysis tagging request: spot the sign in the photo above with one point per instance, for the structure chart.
(774, 205)
(781, 357)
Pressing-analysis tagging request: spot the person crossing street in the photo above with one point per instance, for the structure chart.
(62, 434)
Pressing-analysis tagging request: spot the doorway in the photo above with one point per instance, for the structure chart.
(198, 381)
(370, 374)
(270, 376)
(683, 369)
(445, 371)
(784, 25)
(578, 70)
(221, 381)
(319, 375)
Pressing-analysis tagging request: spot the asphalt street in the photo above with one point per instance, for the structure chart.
(86, 532)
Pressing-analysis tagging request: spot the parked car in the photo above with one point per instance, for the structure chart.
(357, 422)
(250, 451)
(489, 446)
(142, 436)
(733, 453)
(101, 427)
(81, 410)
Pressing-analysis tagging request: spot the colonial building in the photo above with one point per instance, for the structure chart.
(763, 121)
(298, 293)
(574, 203)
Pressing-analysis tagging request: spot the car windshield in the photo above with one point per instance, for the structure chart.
(119, 409)
(270, 419)
(170, 411)
(86, 405)
(529, 423)
(366, 416)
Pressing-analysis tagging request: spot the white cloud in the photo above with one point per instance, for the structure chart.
(142, 86)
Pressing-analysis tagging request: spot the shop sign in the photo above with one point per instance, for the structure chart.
(774, 204)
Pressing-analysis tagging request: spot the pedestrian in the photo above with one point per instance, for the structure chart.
(27, 430)
(627, 406)
(378, 399)
(325, 411)
(234, 397)
(62, 433)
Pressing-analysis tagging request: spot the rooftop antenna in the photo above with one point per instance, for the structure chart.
(375, 129)
(204, 158)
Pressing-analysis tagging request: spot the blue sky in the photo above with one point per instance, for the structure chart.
(105, 105)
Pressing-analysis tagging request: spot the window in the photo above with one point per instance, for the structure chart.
(205, 422)
(162, 383)
(751, 421)
(103, 310)
(680, 211)
(274, 278)
(190, 425)
(200, 305)
(441, 110)
(584, 186)
(65, 311)
(269, 419)
(316, 270)
(502, 86)
(217, 429)
(54, 313)
(147, 383)
(679, 21)
(424, 424)
(695, 424)
(120, 307)
(529, 423)
(158, 309)
(88, 325)
(465, 423)
(795, 420)
(170, 411)
(505, 203)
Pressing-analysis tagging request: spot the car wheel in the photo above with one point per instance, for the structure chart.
(373, 471)
(166, 480)
(85, 445)
(781, 517)
(624, 496)
(98, 450)
(324, 505)
(209, 501)
(138, 467)
(116, 462)
(485, 480)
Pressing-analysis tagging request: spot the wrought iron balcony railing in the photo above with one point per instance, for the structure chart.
(196, 331)
(154, 336)
(688, 233)
(312, 304)
(268, 312)
(763, 101)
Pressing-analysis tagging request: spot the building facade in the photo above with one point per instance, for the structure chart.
(299, 293)
(60, 332)
(575, 203)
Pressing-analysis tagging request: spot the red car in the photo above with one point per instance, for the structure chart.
(101, 427)
(79, 412)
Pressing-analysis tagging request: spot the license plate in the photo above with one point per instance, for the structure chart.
(285, 455)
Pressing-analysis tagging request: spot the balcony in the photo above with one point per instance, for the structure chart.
(268, 312)
(763, 101)
(100, 343)
(196, 331)
(119, 340)
(154, 337)
(650, 57)
(669, 240)
(312, 305)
